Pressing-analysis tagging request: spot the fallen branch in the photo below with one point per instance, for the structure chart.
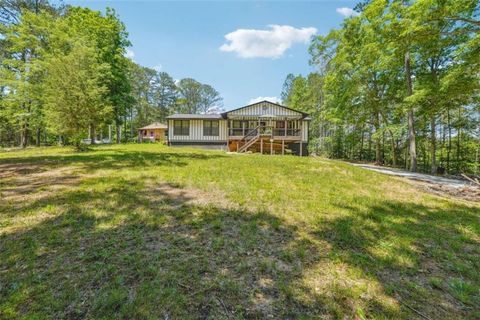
(474, 181)
(227, 313)
(416, 311)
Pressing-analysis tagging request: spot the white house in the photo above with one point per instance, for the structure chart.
(264, 127)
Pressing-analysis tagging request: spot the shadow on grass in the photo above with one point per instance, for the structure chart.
(115, 249)
(427, 258)
(40, 172)
(126, 254)
(105, 158)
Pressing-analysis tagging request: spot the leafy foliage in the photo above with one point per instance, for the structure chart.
(398, 72)
(44, 89)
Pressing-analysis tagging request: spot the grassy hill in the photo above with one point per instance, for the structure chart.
(147, 231)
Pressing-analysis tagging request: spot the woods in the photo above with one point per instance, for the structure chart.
(64, 76)
(397, 84)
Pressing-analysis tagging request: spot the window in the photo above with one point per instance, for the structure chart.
(237, 124)
(181, 127)
(210, 128)
(280, 125)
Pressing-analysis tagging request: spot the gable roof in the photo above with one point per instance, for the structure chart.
(155, 125)
(268, 102)
(187, 116)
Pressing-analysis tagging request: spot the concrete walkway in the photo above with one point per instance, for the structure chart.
(454, 183)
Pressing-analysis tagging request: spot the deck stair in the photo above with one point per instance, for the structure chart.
(249, 139)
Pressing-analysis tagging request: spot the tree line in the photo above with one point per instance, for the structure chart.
(64, 76)
(398, 83)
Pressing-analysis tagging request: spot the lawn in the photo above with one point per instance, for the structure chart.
(148, 231)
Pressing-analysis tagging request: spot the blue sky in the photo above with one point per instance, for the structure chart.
(187, 39)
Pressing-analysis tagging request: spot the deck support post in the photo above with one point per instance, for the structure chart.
(283, 147)
(261, 146)
(271, 146)
(301, 148)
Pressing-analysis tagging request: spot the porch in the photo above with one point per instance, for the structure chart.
(267, 135)
(279, 128)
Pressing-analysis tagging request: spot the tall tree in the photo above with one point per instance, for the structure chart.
(110, 37)
(210, 100)
(190, 94)
(74, 92)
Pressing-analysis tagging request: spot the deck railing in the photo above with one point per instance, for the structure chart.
(265, 130)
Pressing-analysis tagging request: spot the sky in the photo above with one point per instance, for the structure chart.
(244, 50)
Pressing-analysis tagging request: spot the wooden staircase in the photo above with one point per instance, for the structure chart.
(249, 139)
(260, 140)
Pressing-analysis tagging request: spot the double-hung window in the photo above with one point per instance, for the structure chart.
(210, 128)
(181, 127)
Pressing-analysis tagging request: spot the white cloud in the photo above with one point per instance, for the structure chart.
(258, 99)
(130, 54)
(158, 67)
(272, 43)
(347, 12)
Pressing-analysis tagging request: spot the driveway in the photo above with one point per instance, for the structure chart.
(447, 182)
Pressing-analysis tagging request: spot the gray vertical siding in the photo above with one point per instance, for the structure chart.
(253, 111)
(196, 132)
(262, 108)
(305, 125)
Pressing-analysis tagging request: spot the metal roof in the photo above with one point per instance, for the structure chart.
(195, 116)
(155, 125)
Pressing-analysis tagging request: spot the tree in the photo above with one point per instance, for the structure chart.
(164, 95)
(195, 97)
(107, 33)
(400, 74)
(11, 10)
(210, 100)
(24, 50)
(190, 94)
(74, 92)
(287, 87)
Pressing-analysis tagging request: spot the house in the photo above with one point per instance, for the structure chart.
(264, 127)
(153, 132)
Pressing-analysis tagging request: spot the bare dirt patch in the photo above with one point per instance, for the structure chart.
(189, 196)
(460, 189)
(28, 182)
(469, 193)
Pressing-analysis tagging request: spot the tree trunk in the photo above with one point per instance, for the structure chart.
(369, 157)
(91, 133)
(125, 133)
(24, 135)
(131, 122)
(449, 149)
(383, 146)
(433, 146)
(37, 142)
(394, 150)
(410, 115)
(361, 144)
(118, 130)
(459, 134)
(476, 160)
(406, 156)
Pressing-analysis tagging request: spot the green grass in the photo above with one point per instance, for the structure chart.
(147, 231)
